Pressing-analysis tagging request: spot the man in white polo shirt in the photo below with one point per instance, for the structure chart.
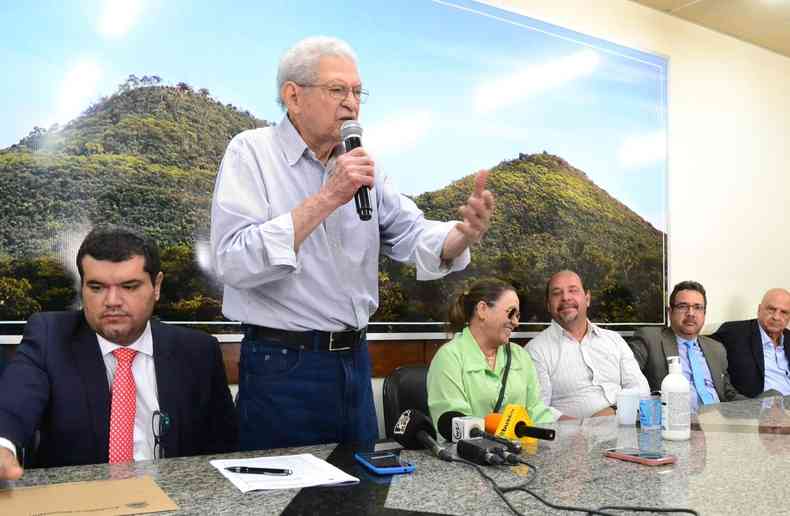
(581, 367)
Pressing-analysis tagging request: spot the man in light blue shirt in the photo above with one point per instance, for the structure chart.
(300, 268)
(777, 372)
(702, 359)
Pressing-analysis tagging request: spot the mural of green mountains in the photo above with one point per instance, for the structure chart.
(148, 155)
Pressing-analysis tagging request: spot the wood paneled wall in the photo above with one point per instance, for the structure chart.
(386, 355)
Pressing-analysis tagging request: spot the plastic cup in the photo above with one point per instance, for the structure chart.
(650, 411)
(627, 437)
(627, 406)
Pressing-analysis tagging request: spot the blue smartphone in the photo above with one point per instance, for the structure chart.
(383, 462)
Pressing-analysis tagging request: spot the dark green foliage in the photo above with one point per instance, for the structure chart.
(145, 157)
(16, 299)
(187, 293)
(47, 282)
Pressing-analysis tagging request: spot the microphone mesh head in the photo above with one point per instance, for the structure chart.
(409, 423)
(350, 128)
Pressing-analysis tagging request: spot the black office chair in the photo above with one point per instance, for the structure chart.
(404, 389)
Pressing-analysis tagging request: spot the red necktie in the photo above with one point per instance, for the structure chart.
(123, 408)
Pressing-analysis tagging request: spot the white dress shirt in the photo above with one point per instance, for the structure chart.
(145, 381)
(580, 378)
(332, 283)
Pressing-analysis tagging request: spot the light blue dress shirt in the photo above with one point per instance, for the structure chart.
(331, 284)
(683, 353)
(777, 374)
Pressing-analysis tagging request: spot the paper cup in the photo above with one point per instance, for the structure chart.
(627, 406)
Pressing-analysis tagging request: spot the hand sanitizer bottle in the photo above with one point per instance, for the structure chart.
(675, 404)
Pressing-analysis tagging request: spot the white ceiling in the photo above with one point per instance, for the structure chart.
(765, 23)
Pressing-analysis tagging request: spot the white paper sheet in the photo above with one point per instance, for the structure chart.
(308, 470)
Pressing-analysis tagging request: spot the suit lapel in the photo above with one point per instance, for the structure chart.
(713, 366)
(93, 372)
(167, 385)
(670, 346)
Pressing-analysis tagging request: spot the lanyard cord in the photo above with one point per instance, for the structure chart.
(504, 378)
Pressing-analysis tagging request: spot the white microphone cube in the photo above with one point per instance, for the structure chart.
(462, 426)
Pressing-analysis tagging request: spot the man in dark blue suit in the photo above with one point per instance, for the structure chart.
(62, 380)
(756, 347)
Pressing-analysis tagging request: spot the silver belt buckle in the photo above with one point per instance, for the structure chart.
(332, 343)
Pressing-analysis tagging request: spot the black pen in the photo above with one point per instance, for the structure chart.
(259, 471)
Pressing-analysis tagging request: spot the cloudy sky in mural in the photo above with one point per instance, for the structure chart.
(454, 86)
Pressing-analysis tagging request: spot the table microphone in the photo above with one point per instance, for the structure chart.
(454, 426)
(414, 431)
(351, 134)
(481, 451)
(520, 429)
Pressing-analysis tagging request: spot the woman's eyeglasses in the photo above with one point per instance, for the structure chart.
(160, 424)
(511, 312)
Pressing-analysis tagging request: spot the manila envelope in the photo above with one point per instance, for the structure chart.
(97, 498)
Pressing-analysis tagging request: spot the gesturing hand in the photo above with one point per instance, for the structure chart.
(477, 211)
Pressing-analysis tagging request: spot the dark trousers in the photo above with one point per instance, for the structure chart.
(293, 397)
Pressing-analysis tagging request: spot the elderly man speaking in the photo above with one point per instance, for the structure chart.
(300, 268)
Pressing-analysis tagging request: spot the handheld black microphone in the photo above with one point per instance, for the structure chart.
(414, 431)
(351, 134)
(445, 426)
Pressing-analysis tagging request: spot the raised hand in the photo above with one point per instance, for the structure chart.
(477, 211)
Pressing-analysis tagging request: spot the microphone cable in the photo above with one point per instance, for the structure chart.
(601, 511)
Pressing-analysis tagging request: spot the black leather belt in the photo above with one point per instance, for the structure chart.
(313, 340)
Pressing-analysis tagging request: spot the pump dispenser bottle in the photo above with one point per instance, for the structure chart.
(675, 404)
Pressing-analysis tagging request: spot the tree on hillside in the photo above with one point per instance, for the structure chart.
(16, 301)
(34, 139)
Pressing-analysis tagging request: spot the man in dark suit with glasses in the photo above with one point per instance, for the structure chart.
(703, 360)
(108, 383)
